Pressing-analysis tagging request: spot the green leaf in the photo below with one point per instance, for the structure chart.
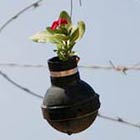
(62, 31)
(50, 31)
(60, 37)
(81, 26)
(78, 33)
(41, 37)
(74, 36)
(45, 37)
(65, 15)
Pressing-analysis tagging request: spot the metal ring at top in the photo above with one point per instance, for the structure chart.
(63, 73)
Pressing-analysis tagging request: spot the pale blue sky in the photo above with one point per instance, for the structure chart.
(112, 33)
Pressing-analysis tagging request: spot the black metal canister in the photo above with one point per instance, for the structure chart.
(70, 105)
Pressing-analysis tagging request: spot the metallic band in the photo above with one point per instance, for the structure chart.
(63, 73)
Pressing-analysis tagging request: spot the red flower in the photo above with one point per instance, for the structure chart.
(59, 22)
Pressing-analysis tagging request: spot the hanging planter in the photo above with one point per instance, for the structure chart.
(70, 104)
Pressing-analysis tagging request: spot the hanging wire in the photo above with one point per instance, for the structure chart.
(80, 2)
(19, 86)
(119, 119)
(33, 5)
(71, 8)
(118, 68)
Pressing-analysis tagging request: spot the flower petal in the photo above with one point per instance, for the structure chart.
(55, 24)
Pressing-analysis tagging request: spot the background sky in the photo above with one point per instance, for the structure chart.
(112, 33)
